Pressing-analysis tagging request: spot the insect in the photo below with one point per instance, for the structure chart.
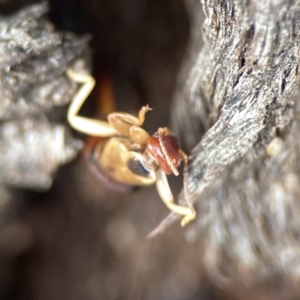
(129, 154)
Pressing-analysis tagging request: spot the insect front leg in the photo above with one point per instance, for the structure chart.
(138, 136)
(122, 121)
(166, 195)
(86, 125)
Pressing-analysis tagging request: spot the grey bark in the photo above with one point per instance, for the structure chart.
(34, 91)
(240, 101)
(34, 139)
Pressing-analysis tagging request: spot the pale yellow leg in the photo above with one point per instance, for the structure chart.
(86, 125)
(166, 195)
(123, 121)
(138, 135)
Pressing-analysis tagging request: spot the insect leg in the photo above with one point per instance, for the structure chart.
(166, 195)
(123, 121)
(86, 125)
(185, 180)
(138, 135)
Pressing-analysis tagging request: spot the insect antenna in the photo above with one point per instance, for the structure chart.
(165, 153)
(185, 180)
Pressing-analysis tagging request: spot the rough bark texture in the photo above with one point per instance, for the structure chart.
(241, 95)
(33, 90)
(34, 139)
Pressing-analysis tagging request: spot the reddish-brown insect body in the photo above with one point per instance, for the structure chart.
(169, 142)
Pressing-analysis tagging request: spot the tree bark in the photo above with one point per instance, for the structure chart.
(239, 100)
(34, 91)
